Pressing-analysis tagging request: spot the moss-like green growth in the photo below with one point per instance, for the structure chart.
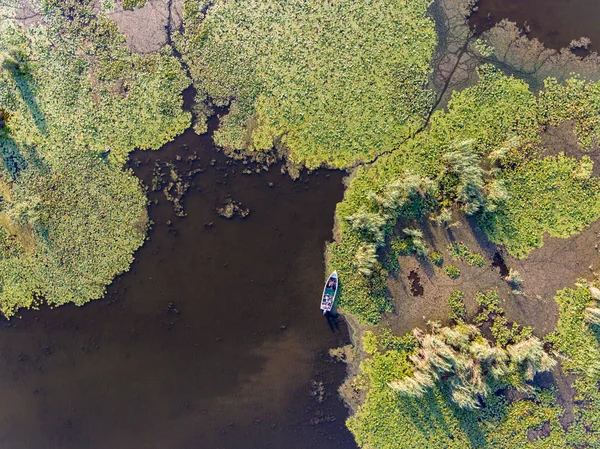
(331, 82)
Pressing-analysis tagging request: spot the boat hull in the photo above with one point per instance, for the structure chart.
(329, 293)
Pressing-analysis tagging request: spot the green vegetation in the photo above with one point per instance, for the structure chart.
(77, 102)
(452, 271)
(468, 366)
(337, 83)
(437, 258)
(133, 4)
(414, 180)
(424, 413)
(458, 312)
(330, 82)
(547, 195)
(460, 251)
(490, 309)
(575, 100)
(388, 420)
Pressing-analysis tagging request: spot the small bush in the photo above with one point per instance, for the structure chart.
(452, 271)
(132, 4)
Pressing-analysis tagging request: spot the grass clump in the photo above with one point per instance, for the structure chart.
(452, 271)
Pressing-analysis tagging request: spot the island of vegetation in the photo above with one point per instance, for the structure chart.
(472, 174)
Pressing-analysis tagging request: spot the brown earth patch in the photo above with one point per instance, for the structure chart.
(556, 265)
(146, 28)
(562, 138)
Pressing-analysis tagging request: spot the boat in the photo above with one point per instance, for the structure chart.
(329, 292)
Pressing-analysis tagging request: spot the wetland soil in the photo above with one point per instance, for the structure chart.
(214, 339)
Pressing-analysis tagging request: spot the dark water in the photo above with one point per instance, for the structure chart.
(416, 289)
(553, 22)
(213, 340)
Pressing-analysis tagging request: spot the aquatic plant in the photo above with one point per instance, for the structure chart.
(77, 101)
(328, 83)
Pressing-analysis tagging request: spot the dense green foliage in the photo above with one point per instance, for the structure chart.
(77, 102)
(517, 196)
(575, 100)
(554, 195)
(388, 420)
(578, 341)
(333, 82)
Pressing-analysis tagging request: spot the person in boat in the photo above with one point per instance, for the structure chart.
(331, 283)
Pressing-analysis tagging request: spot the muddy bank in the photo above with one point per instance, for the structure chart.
(213, 340)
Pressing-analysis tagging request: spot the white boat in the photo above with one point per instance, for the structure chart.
(329, 292)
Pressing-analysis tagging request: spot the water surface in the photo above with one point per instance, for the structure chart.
(554, 22)
(213, 340)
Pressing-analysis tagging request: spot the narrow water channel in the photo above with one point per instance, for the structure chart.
(214, 339)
